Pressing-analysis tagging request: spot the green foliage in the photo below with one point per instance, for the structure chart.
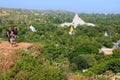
(115, 37)
(116, 53)
(114, 65)
(108, 43)
(35, 50)
(98, 69)
(101, 66)
(84, 61)
(101, 57)
(86, 47)
(102, 78)
(1, 76)
(33, 69)
(80, 50)
(105, 41)
(32, 66)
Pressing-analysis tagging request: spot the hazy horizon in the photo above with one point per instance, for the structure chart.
(79, 6)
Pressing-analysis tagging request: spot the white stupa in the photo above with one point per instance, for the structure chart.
(77, 21)
(106, 34)
(32, 28)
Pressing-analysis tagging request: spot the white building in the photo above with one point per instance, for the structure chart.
(77, 21)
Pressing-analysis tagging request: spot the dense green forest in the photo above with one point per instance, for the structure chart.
(56, 54)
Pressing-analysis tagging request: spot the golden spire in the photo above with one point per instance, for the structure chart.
(71, 29)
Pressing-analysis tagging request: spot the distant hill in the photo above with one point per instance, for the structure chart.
(26, 15)
(25, 11)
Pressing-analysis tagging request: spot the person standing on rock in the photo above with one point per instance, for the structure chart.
(9, 32)
(15, 32)
(11, 36)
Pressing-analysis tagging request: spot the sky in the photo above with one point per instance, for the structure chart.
(78, 6)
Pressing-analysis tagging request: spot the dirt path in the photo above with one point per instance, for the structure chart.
(8, 57)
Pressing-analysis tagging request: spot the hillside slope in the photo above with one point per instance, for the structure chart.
(8, 55)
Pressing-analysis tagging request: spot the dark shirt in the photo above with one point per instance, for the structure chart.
(8, 33)
(15, 32)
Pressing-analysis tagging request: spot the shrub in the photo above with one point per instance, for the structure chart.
(33, 69)
(105, 41)
(1, 77)
(86, 47)
(98, 69)
(84, 61)
(115, 37)
(114, 65)
(108, 43)
(102, 78)
(116, 53)
(35, 50)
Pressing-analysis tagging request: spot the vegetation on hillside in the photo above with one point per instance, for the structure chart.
(56, 53)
